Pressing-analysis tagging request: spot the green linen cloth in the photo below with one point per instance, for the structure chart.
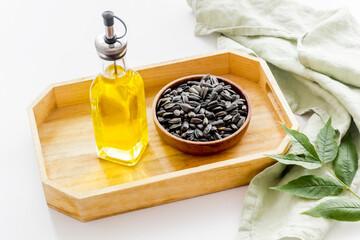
(315, 58)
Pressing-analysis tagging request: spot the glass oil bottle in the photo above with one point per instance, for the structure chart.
(117, 101)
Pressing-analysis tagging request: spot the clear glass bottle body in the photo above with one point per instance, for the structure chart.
(119, 113)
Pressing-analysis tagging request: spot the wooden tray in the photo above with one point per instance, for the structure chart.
(76, 182)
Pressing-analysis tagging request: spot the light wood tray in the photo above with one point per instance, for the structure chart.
(76, 182)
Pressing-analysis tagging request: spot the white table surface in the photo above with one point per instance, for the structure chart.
(44, 42)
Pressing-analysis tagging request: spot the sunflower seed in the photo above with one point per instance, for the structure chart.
(236, 118)
(231, 107)
(163, 103)
(204, 92)
(174, 120)
(240, 122)
(167, 114)
(161, 112)
(234, 97)
(176, 99)
(201, 116)
(218, 123)
(186, 89)
(193, 82)
(227, 118)
(225, 94)
(214, 80)
(194, 103)
(217, 136)
(206, 77)
(207, 129)
(176, 135)
(185, 98)
(186, 107)
(175, 126)
(234, 112)
(158, 105)
(192, 114)
(193, 90)
(228, 130)
(203, 104)
(207, 84)
(203, 140)
(175, 107)
(198, 88)
(205, 121)
(167, 91)
(218, 108)
(218, 88)
(243, 113)
(213, 96)
(169, 105)
(220, 114)
(232, 91)
(210, 115)
(200, 126)
(198, 133)
(212, 104)
(197, 109)
(193, 97)
(196, 120)
(177, 112)
(185, 126)
(189, 132)
(239, 101)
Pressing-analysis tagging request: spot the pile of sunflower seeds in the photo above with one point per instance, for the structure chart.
(203, 111)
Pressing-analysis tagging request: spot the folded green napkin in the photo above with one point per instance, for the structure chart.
(315, 58)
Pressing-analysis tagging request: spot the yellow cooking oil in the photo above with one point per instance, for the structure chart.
(119, 115)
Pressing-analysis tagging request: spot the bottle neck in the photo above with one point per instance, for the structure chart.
(113, 69)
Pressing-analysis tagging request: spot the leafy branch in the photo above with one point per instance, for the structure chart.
(344, 159)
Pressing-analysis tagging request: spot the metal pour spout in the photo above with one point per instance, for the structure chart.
(109, 45)
(110, 36)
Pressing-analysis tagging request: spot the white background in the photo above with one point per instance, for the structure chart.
(48, 41)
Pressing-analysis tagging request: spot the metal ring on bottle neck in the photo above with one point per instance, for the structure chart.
(110, 51)
(112, 57)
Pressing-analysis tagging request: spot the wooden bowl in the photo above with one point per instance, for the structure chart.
(201, 148)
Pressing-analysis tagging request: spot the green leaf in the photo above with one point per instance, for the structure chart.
(291, 159)
(326, 142)
(312, 187)
(340, 209)
(346, 162)
(301, 142)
